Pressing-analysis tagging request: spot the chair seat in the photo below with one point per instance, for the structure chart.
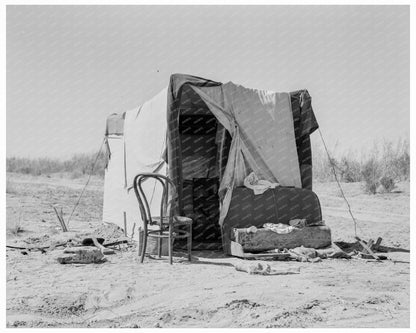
(177, 220)
(165, 234)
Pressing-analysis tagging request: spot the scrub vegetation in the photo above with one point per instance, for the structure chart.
(75, 167)
(379, 169)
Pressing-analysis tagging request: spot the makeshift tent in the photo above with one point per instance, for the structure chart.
(207, 137)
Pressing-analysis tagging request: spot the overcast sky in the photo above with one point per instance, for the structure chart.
(69, 67)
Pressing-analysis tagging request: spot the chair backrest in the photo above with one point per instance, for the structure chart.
(169, 189)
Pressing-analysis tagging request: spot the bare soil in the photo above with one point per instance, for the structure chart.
(208, 292)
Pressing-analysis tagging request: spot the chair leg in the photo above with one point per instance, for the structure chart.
(190, 243)
(143, 247)
(170, 245)
(139, 253)
(159, 246)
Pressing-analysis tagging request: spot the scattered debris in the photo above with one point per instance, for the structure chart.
(264, 269)
(90, 241)
(303, 254)
(241, 304)
(125, 241)
(103, 250)
(315, 260)
(338, 253)
(34, 248)
(370, 244)
(367, 248)
(99, 243)
(82, 255)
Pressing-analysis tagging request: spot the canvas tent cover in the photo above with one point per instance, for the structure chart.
(268, 133)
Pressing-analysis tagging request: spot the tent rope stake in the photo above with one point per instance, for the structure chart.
(339, 185)
(88, 180)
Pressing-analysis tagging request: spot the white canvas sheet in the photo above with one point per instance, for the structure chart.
(139, 150)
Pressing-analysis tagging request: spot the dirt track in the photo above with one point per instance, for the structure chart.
(208, 292)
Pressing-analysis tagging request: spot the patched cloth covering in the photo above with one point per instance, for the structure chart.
(261, 125)
(269, 135)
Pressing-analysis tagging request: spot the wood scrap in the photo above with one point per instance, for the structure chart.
(376, 246)
(364, 245)
(35, 248)
(370, 244)
(369, 256)
(265, 239)
(18, 247)
(116, 243)
(60, 219)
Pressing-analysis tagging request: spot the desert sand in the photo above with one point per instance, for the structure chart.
(208, 292)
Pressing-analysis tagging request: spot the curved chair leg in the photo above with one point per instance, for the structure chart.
(190, 243)
(141, 237)
(143, 250)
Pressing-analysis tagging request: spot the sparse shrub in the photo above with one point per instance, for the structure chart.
(322, 169)
(24, 170)
(16, 226)
(10, 187)
(371, 175)
(76, 174)
(16, 229)
(388, 183)
(350, 170)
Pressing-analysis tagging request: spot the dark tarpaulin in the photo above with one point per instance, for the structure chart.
(173, 144)
(304, 122)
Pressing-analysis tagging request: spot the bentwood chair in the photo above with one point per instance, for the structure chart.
(167, 225)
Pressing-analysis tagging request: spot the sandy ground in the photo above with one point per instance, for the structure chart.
(208, 292)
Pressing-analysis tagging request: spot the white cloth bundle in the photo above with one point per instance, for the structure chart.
(257, 185)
